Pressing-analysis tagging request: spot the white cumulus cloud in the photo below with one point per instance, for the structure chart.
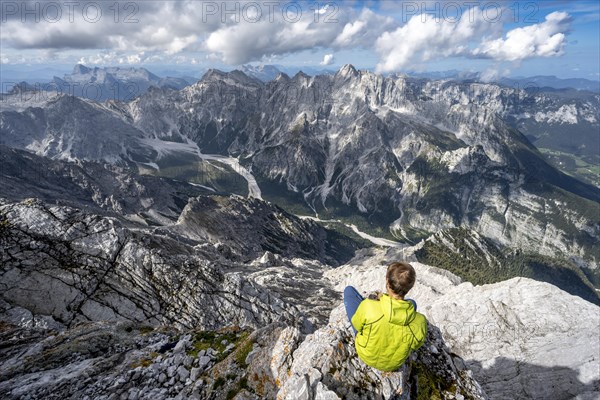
(246, 31)
(546, 39)
(424, 39)
(327, 59)
(248, 41)
(364, 30)
(170, 26)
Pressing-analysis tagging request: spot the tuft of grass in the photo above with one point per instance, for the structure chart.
(219, 382)
(145, 329)
(243, 350)
(205, 340)
(428, 387)
(145, 362)
(4, 226)
(241, 385)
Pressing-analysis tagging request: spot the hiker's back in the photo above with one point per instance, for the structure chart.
(390, 330)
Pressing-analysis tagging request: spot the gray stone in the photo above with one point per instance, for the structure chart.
(203, 361)
(187, 361)
(181, 345)
(183, 373)
(195, 373)
(133, 394)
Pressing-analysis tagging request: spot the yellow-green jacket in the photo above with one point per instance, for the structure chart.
(388, 330)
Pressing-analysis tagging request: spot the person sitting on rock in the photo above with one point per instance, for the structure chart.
(387, 326)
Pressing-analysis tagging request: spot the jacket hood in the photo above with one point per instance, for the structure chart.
(397, 312)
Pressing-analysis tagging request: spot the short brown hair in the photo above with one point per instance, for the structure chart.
(400, 277)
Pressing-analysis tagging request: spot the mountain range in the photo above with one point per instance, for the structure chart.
(216, 225)
(540, 107)
(100, 84)
(399, 157)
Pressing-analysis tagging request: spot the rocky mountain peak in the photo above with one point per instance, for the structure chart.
(264, 73)
(81, 69)
(110, 74)
(249, 227)
(300, 76)
(282, 76)
(347, 70)
(236, 76)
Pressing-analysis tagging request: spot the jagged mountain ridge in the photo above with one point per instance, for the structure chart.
(59, 126)
(383, 149)
(310, 132)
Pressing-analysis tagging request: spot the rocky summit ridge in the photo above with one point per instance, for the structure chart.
(120, 312)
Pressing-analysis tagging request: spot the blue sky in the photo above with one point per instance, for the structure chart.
(496, 38)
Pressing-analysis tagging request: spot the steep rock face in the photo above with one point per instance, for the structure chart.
(60, 126)
(88, 268)
(250, 227)
(479, 260)
(523, 339)
(380, 144)
(540, 354)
